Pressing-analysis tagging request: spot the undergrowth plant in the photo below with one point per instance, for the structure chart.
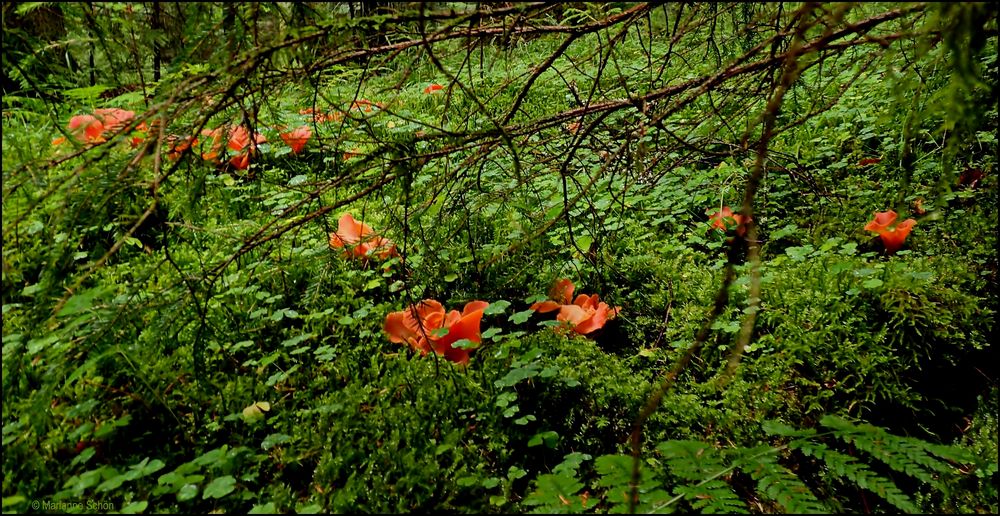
(687, 475)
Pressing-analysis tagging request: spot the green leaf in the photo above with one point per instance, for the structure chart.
(36, 345)
(514, 376)
(535, 298)
(505, 398)
(219, 487)
(170, 478)
(9, 501)
(274, 439)
(187, 492)
(309, 509)
(153, 466)
(135, 507)
(296, 340)
(84, 456)
(490, 333)
(799, 253)
(571, 462)
(255, 411)
(521, 317)
(112, 483)
(514, 473)
(553, 490)
(496, 307)
(785, 231)
(465, 344)
(872, 283)
(849, 249)
(267, 508)
(86, 94)
(22, 9)
(211, 457)
(549, 438)
(34, 227)
(82, 301)
(523, 420)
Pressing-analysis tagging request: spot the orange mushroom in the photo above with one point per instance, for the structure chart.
(104, 122)
(297, 138)
(892, 237)
(85, 129)
(726, 218)
(419, 328)
(240, 142)
(362, 237)
(585, 315)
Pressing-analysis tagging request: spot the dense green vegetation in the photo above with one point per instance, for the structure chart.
(187, 326)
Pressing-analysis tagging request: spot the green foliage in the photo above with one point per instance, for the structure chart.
(780, 485)
(703, 477)
(692, 461)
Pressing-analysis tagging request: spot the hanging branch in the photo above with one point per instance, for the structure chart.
(157, 24)
(789, 74)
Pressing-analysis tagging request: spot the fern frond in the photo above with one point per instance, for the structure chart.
(712, 497)
(701, 462)
(700, 473)
(778, 428)
(849, 468)
(779, 484)
(954, 454)
(554, 494)
(903, 454)
(616, 477)
(692, 460)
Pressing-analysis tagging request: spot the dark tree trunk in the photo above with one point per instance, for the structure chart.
(229, 24)
(374, 36)
(93, 69)
(157, 24)
(22, 34)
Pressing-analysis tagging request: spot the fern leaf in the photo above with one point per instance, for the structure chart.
(848, 467)
(951, 453)
(712, 497)
(779, 484)
(702, 463)
(903, 454)
(773, 427)
(554, 494)
(691, 460)
(616, 476)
